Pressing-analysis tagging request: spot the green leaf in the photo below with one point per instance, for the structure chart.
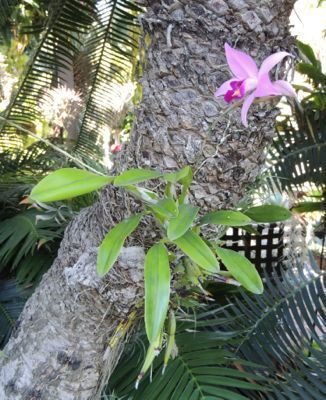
(308, 206)
(312, 72)
(226, 217)
(241, 269)
(113, 242)
(166, 208)
(251, 230)
(195, 248)
(268, 213)
(143, 194)
(178, 226)
(66, 183)
(184, 176)
(308, 52)
(133, 176)
(157, 290)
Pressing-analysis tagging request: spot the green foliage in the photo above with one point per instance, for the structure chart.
(177, 222)
(226, 217)
(110, 47)
(308, 206)
(164, 209)
(12, 301)
(179, 225)
(198, 251)
(54, 54)
(241, 269)
(95, 42)
(66, 183)
(268, 213)
(6, 7)
(259, 346)
(297, 154)
(283, 330)
(157, 290)
(202, 367)
(29, 239)
(134, 175)
(112, 244)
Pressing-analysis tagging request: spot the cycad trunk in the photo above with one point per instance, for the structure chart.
(61, 348)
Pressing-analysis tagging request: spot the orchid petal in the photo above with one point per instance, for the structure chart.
(240, 63)
(265, 87)
(271, 61)
(244, 111)
(284, 88)
(224, 88)
(249, 85)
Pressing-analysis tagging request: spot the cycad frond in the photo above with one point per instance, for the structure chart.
(297, 153)
(283, 329)
(23, 235)
(12, 300)
(29, 163)
(110, 49)
(203, 368)
(55, 53)
(259, 346)
(200, 370)
(6, 7)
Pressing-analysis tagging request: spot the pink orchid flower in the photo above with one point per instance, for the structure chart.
(115, 148)
(248, 82)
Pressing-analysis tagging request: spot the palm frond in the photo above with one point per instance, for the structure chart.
(54, 54)
(110, 49)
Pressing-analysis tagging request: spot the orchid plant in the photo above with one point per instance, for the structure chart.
(249, 82)
(197, 260)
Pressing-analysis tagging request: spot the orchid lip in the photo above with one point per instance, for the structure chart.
(237, 91)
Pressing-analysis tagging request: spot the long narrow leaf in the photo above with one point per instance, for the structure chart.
(112, 244)
(157, 290)
(195, 248)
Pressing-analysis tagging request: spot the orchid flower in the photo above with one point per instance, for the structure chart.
(115, 148)
(248, 82)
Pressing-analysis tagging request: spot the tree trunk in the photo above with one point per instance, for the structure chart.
(62, 348)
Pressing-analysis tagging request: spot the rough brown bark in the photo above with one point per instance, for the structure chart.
(60, 348)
